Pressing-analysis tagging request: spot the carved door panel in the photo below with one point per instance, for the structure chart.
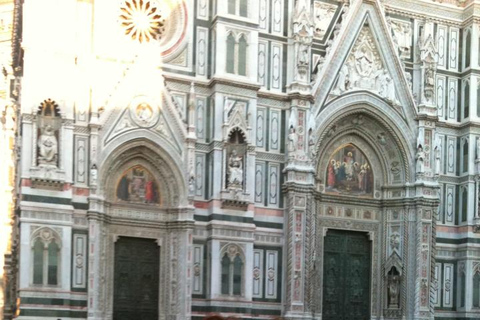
(346, 276)
(136, 276)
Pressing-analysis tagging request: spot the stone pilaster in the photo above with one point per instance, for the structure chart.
(425, 236)
(297, 237)
(96, 263)
(298, 190)
(179, 245)
(301, 43)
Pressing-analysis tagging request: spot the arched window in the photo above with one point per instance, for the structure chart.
(462, 288)
(230, 54)
(232, 271)
(38, 262)
(465, 155)
(238, 7)
(468, 41)
(225, 274)
(46, 258)
(466, 100)
(236, 59)
(232, 6)
(242, 56)
(237, 275)
(53, 251)
(478, 96)
(476, 290)
(464, 202)
(243, 8)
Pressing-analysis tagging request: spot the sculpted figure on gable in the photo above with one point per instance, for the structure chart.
(143, 113)
(402, 36)
(323, 14)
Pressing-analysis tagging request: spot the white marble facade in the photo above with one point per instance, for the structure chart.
(238, 135)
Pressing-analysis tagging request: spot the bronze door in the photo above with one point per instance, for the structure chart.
(135, 295)
(346, 276)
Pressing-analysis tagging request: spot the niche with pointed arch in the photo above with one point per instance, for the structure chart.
(349, 172)
(137, 185)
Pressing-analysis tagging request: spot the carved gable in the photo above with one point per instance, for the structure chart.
(142, 114)
(365, 70)
(363, 56)
(235, 117)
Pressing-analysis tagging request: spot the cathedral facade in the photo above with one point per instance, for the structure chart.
(252, 159)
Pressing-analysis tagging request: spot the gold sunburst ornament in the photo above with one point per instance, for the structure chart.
(142, 20)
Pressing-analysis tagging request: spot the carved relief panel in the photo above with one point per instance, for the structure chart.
(202, 51)
(454, 49)
(81, 159)
(323, 15)
(442, 47)
(262, 63)
(402, 37)
(263, 14)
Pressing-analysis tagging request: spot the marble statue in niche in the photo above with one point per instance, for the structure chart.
(349, 172)
(420, 158)
(292, 142)
(235, 169)
(393, 289)
(323, 14)
(93, 174)
(304, 42)
(49, 122)
(47, 146)
(137, 185)
(235, 160)
(303, 49)
(429, 83)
